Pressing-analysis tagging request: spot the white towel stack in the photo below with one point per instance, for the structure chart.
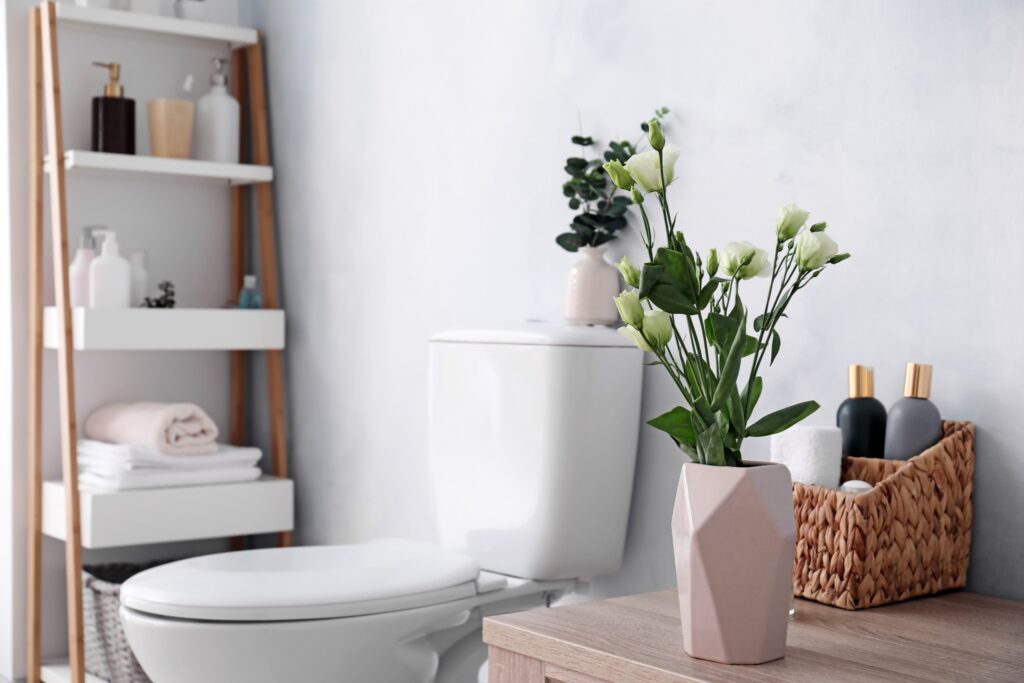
(127, 466)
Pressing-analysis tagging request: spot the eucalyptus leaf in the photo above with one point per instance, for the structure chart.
(569, 241)
(781, 420)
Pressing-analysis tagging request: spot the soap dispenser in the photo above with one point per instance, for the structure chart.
(113, 116)
(217, 120)
(78, 270)
(914, 423)
(110, 275)
(861, 417)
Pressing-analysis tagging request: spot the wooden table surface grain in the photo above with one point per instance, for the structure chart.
(952, 637)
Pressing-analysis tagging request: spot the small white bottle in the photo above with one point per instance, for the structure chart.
(110, 277)
(217, 121)
(78, 271)
(140, 278)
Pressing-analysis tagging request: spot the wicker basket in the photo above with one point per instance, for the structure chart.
(908, 536)
(107, 654)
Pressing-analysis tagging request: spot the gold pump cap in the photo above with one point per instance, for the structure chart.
(113, 88)
(918, 382)
(862, 381)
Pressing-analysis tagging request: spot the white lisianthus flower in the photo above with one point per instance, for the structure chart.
(658, 328)
(646, 171)
(634, 335)
(744, 260)
(630, 309)
(791, 218)
(630, 273)
(814, 249)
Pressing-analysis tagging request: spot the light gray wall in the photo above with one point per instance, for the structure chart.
(419, 148)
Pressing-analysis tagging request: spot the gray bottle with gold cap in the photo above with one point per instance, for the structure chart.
(861, 417)
(914, 423)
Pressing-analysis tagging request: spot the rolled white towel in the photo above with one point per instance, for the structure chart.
(173, 428)
(814, 455)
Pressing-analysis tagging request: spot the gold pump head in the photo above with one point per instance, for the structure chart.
(918, 382)
(113, 88)
(862, 381)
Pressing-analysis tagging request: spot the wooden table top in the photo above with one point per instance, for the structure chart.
(956, 636)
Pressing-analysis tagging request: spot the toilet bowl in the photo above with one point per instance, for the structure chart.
(391, 610)
(532, 445)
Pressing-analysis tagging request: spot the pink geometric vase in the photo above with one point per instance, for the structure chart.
(734, 540)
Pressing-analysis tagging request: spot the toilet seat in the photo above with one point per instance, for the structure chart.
(300, 583)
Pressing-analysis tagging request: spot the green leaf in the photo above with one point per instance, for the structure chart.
(569, 241)
(776, 343)
(574, 203)
(680, 270)
(671, 300)
(575, 162)
(749, 345)
(709, 446)
(750, 395)
(708, 291)
(690, 451)
(601, 237)
(584, 140)
(737, 416)
(730, 368)
(649, 276)
(677, 424)
(781, 420)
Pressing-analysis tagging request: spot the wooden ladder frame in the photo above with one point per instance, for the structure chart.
(45, 121)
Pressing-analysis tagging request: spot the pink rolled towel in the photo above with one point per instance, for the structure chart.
(173, 428)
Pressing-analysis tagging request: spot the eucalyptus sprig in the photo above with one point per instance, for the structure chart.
(705, 354)
(601, 212)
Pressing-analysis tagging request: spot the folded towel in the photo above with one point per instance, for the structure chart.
(117, 456)
(814, 455)
(172, 428)
(154, 479)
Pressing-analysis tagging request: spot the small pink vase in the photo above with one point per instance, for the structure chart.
(591, 288)
(734, 540)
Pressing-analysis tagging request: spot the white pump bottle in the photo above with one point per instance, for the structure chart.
(217, 121)
(110, 275)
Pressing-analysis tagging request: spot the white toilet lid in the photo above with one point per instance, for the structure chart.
(315, 582)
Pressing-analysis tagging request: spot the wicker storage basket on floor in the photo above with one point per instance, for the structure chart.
(908, 536)
(107, 654)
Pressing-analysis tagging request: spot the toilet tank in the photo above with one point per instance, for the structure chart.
(533, 440)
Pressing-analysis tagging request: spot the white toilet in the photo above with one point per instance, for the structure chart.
(533, 435)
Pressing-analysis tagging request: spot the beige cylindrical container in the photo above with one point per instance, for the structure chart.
(170, 128)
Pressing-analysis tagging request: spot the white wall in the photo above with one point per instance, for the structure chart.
(184, 228)
(419, 148)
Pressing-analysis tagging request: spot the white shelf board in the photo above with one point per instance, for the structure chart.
(169, 329)
(60, 672)
(80, 160)
(111, 519)
(235, 36)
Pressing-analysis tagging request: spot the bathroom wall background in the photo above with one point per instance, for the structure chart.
(419, 149)
(183, 226)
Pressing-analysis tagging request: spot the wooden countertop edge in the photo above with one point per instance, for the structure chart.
(574, 656)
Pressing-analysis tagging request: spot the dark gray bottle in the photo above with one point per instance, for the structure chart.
(914, 422)
(861, 417)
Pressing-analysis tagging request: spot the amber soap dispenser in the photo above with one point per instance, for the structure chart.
(861, 417)
(113, 116)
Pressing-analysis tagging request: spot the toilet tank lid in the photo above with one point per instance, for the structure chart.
(538, 333)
